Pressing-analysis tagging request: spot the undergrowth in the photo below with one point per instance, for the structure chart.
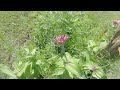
(42, 58)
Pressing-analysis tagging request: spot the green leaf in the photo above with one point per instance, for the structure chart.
(73, 69)
(59, 71)
(94, 75)
(75, 60)
(95, 49)
(38, 62)
(72, 66)
(102, 45)
(28, 72)
(33, 51)
(4, 69)
(88, 65)
(22, 69)
(70, 58)
(86, 55)
(27, 50)
(53, 57)
(65, 75)
(99, 73)
(31, 69)
(60, 63)
(70, 74)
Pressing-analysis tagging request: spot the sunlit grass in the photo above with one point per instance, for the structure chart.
(82, 28)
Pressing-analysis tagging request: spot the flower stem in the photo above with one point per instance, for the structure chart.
(63, 53)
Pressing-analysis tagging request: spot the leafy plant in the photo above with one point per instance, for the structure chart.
(27, 67)
(63, 45)
(92, 70)
(6, 71)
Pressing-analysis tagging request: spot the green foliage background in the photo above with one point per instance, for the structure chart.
(87, 38)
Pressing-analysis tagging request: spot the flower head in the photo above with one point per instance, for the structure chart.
(61, 39)
(93, 68)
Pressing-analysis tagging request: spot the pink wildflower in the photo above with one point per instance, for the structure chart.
(61, 39)
(93, 68)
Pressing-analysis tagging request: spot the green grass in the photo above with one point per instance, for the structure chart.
(82, 27)
(13, 26)
(114, 72)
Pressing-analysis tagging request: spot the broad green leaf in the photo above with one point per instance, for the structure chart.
(72, 66)
(99, 72)
(31, 69)
(60, 63)
(94, 75)
(70, 58)
(73, 69)
(28, 72)
(59, 71)
(4, 69)
(22, 69)
(75, 60)
(65, 75)
(70, 74)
